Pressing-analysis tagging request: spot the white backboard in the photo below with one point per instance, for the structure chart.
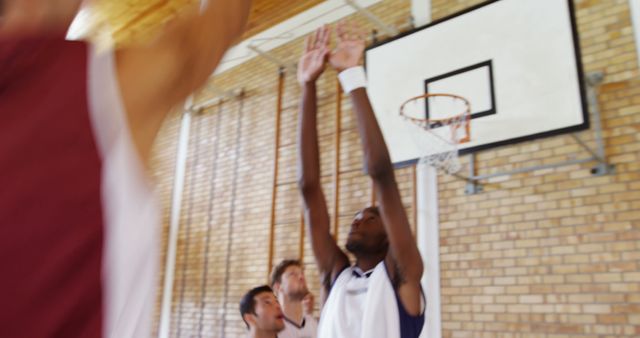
(516, 61)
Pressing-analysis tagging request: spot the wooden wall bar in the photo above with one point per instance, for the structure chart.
(281, 81)
(336, 161)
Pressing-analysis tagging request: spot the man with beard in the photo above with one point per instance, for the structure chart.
(380, 295)
(261, 313)
(290, 287)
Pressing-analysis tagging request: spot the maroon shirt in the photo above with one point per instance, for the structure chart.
(51, 223)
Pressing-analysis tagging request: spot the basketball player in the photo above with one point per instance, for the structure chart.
(290, 287)
(79, 221)
(380, 295)
(261, 313)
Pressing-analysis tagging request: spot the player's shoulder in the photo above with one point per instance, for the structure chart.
(309, 328)
(311, 323)
(289, 330)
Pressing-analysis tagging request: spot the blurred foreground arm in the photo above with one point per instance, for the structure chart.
(20, 17)
(157, 76)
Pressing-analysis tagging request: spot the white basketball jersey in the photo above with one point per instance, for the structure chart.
(308, 329)
(361, 307)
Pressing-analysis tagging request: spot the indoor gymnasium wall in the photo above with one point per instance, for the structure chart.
(551, 253)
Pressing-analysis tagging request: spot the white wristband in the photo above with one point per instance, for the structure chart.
(352, 78)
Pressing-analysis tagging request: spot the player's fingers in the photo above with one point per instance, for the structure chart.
(326, 35)
(351, 29)
(340, 30)
(325, 53)
(316, 38)
(320, 41)
(322, 55)
(307, 43)
(355, 31)
(361, 33)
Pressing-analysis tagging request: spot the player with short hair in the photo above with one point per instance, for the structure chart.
(380, 295)
(261, 313)
(290, 286)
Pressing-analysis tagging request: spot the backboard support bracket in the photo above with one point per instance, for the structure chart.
(220, 95)
(387, 29)
(603, 167)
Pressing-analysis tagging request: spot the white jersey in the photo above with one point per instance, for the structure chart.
(308, 328)
(360, 306)
(132, 212)
(363, 305)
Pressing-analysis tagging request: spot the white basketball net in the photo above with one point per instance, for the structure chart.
(438, 139)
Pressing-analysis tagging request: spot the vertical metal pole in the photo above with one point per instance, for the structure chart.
(174, 223)
(301, 243)
(414, 205)
(429, 245)
(232, 214)
(473, 186)
(210, 215)
(593, 84)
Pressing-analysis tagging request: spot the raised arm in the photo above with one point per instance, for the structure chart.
(403, 260)
(330, 259)
(22, 18)
(161, 74)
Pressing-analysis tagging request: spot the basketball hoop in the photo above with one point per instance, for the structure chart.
(443, 134)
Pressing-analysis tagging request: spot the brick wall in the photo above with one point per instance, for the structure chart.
(551, 253)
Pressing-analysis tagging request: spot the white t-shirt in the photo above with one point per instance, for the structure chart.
(308, 329)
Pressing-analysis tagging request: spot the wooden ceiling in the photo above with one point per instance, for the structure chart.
(133, 19)
(268, 13)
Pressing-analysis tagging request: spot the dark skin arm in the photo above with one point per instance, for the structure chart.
(403, 261)
(329, 257)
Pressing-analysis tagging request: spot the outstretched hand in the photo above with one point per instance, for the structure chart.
(316, 52)
(350, 48)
